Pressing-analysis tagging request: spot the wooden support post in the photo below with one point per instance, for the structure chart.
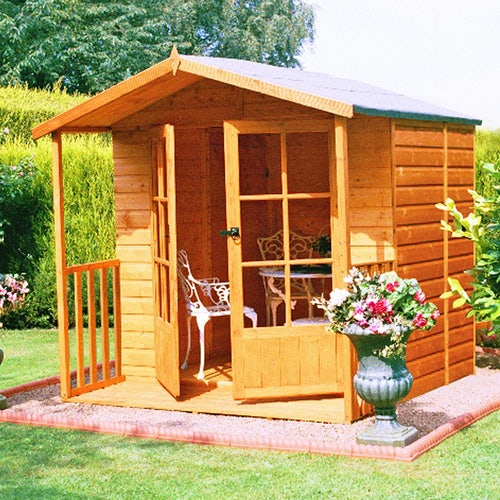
(62, 304)
(340, 234)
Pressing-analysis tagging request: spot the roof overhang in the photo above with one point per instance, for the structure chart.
(314, 90)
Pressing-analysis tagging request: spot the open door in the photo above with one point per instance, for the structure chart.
(280, 179)
(165, 262)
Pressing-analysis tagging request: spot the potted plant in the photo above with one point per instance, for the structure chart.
(323, 245)
(378, 313)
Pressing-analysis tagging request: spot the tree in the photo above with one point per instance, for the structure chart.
(89, 46)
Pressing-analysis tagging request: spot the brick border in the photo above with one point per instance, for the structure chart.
(406, 454)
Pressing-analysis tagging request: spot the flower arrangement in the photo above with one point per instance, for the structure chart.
(383, 304)
(13, 290)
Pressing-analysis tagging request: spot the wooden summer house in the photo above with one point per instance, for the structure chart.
(244, 166)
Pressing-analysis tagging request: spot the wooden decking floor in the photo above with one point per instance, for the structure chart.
(213, 395)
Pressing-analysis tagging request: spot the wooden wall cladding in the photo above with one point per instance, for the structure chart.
(433, 161)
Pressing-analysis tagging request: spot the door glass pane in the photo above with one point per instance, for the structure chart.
(307, 162)
(260, 221)
(260, 164)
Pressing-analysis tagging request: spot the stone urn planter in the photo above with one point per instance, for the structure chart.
(381, 382)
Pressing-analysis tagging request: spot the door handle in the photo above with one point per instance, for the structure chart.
(234, 232)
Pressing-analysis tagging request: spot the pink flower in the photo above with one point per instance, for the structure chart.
(435, 314)
(419, 321)
(419, 297)
(391, 287)
(379, 307)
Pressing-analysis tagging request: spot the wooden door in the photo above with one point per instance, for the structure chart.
(165, 262)
(279, 177)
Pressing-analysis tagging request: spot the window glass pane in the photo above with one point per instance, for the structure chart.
(260, 164)
(307, 162)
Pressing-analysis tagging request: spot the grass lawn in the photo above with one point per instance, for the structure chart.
(29, 355)
(39, 463)
(52, 463)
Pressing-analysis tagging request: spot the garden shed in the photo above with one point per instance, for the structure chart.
(276, 181)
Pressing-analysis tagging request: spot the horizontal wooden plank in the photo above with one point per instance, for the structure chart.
(369, 197)
(369, 236)
(132, 184)
(138, 357)
(134, 253)
(419, 176)
(418, 157)
(419, 195)
(137, 288)
(460, 158)
(132, 201)
(419, 138)
(420, 233)
(131, 236)
(133, 219)
(411, 254)
(426, 383)
(460, 139)
(459, 246)
(135, 304)
(138, 340)
(364, 255)
(132, 166)
(423, 271)
(372, 177)
(461, 176)
(136, 271)
(365, 217)
(462, 369)
(417, 214)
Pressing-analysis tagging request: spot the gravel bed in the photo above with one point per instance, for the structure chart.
(426, 413)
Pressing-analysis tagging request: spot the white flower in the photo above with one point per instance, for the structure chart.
(337, 297)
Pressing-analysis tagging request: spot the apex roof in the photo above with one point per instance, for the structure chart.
(316, 90)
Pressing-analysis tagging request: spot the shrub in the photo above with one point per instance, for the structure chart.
(28, 244)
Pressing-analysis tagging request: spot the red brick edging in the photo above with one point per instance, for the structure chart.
(406, 454)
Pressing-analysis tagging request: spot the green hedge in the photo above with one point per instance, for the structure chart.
(28, 246)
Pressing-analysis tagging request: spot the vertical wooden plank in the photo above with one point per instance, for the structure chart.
(233, 216)
(340, 236)
(60, 241)
(446, 262)
(92, 331)
(80, 346)
(286, 227)
(117, 316)
(103, 275)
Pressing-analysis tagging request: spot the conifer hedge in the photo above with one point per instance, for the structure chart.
(28, 242)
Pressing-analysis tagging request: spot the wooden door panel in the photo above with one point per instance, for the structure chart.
(279, 366)
(165, 262)
(286, 360)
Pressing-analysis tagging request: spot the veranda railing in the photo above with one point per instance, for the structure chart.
(93, 355)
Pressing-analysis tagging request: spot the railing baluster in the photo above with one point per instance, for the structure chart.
(117, 314)
(92, 327)
(80, 348)
(104, 323)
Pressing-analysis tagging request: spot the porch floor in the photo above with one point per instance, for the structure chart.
(213, 395)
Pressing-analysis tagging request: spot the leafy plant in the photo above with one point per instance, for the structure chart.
(482, 227)
(382, 304)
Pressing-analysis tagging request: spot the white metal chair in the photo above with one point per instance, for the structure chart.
(271, 248)
(205, 298)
